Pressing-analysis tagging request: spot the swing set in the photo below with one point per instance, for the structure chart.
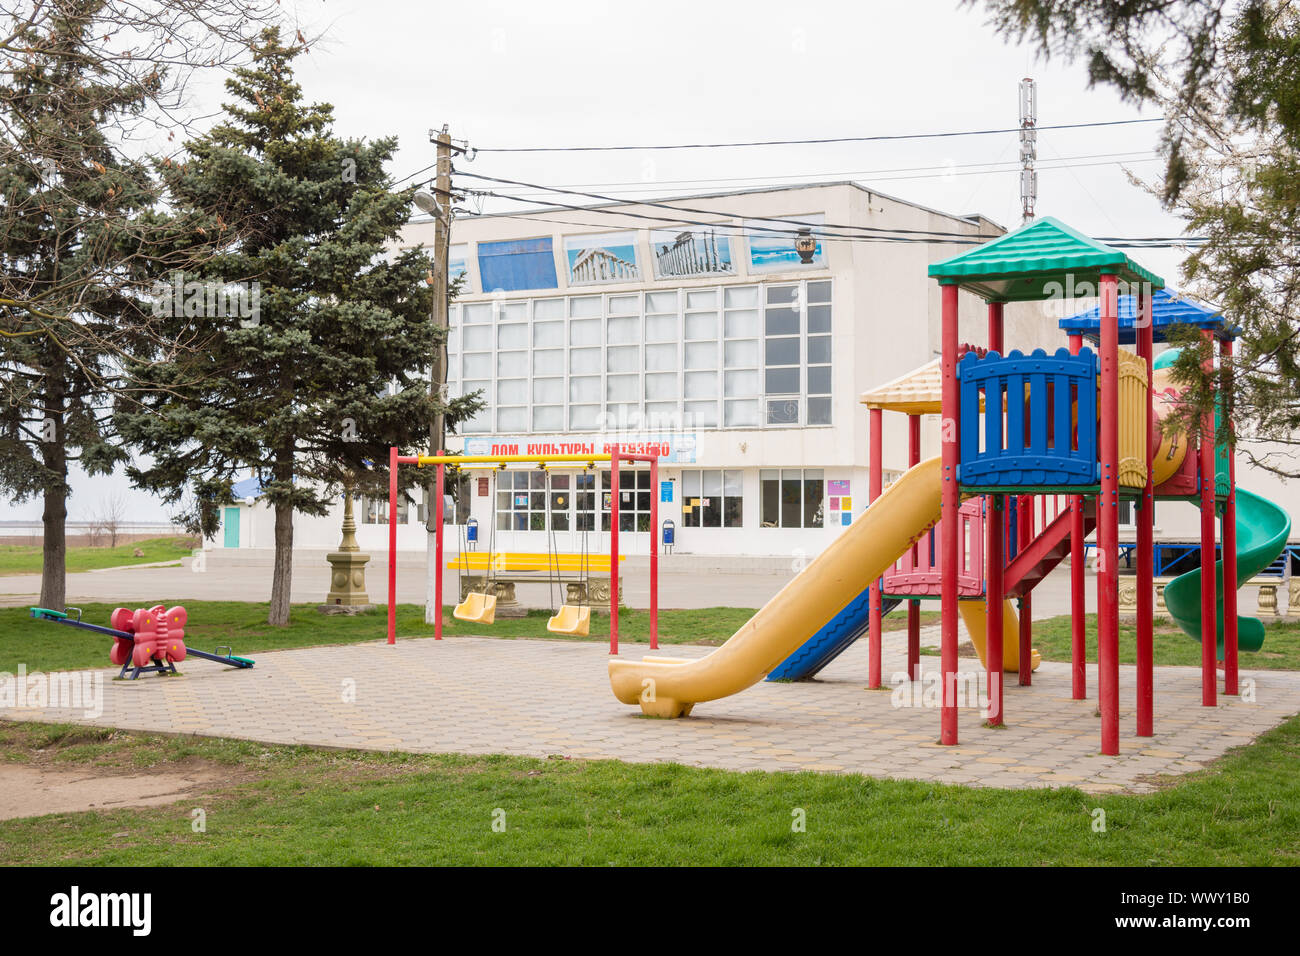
(480, 606)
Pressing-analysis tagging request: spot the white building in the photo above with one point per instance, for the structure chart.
(716, 343)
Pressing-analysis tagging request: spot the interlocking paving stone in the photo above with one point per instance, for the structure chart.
(539, 697)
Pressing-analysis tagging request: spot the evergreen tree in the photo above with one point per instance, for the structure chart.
(315, 332)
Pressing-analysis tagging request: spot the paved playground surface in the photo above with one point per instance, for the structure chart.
(543, 697)
(237, 582)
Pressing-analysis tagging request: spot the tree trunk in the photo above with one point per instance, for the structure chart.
(54, 545)
(282, 577)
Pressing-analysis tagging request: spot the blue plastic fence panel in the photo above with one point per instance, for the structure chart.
(1047, 454)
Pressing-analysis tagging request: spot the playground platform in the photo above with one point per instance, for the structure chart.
(545, 697)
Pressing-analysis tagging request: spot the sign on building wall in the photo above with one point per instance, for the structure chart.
(609, 257)
(839, 493)
(672, 449)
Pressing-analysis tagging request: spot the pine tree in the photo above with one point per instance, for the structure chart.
(314, 329)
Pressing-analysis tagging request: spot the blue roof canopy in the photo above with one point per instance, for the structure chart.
(1168, 310)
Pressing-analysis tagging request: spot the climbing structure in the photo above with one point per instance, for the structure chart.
(1019, 430)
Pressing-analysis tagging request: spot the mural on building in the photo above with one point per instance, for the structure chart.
(458, 264)
(770, 250)
(517, 264)
(609, 257)
(694, 252)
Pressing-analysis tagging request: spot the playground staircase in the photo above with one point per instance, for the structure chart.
(1038, 558)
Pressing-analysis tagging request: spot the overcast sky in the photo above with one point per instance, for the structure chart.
(512, 73)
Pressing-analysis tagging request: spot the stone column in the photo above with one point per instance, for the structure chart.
(348, 564)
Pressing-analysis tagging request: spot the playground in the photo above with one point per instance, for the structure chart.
(1038, 450)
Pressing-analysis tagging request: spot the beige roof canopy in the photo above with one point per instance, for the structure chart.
(919, 392)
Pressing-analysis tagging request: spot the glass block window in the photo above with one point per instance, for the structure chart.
(751, 356)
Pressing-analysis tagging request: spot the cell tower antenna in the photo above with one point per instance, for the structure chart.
(1028, 147)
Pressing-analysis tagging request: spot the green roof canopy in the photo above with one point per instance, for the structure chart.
(1023, 265)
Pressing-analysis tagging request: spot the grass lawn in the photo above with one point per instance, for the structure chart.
(26, 559)
(297, 805)
(1281, 650)
(41, 645)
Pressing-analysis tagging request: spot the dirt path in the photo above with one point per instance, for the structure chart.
(28, 791)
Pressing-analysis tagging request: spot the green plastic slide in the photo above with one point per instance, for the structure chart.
(1262, 530)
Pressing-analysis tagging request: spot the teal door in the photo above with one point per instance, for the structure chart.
(231, 522)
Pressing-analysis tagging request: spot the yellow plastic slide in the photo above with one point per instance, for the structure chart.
(972, 612)
(668, 688)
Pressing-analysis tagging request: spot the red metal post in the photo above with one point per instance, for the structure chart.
(1146, 526)
(995, 598)
(1230, 679)
(392, 545)
(1025, 532)
(654, 553)
(995, 560)
(913, 607)
(950, 526)
(1209, 629)
(613, 552)
(437, 552)
(1078, 606)
(1108, 520)
(873, 600)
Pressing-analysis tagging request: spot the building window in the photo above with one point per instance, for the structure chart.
(584, 501)
(1128, 514)
(713, 499)
(633, 499)
(521, 501)
(741, 360)
(817, 339)
(797, 354)
(791, 497)
(782, 355)
(375, 510)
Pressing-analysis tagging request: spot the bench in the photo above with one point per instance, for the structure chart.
(511, 568)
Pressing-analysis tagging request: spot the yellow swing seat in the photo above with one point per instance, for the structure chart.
(477, 607)
(572, 619)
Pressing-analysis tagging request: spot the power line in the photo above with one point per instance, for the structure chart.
(733, 231)
(784, 220)
(762, 230)
(776, 180)
(806, 142)
(951, 172)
